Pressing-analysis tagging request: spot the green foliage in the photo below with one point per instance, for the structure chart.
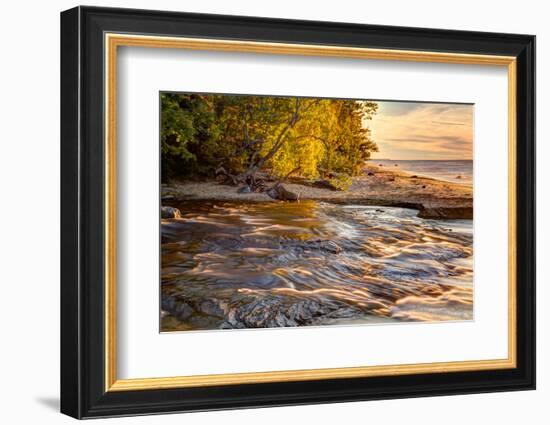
(187, 131)
(341, 181)
(282, 135)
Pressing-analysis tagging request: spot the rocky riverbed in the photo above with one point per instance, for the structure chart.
(235, 264)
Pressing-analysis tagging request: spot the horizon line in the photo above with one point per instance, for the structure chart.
(412, 159)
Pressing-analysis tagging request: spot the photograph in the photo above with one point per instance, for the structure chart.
(282, 211)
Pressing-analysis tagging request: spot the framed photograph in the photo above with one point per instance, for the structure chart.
(261, 212)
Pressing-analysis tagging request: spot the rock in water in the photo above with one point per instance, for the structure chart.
(317, 244)
(281, 193)
(446, 212)
(331, 246)
(169, 212)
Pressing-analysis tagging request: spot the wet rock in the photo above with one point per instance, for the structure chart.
(211, 308)
(257, 309)
(315, 244)
(323, 245)
(331, 247)
(169, 212)
(224, 240)
(446, 212)
(277, 312)
(177, 308)
(264, 280)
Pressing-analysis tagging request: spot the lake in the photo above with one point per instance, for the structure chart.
(447, 170)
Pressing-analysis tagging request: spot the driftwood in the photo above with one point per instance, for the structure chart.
(253, 183)
(227, 177)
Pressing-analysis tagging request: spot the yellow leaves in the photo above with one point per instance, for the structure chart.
(202, 132)
(303, 152)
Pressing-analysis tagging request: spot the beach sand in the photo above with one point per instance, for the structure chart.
(377, 185)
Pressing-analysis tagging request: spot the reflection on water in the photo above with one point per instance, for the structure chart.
(454, 171)
(249, 265)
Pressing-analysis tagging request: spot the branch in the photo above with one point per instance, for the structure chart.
(283, 179)
(281, 137)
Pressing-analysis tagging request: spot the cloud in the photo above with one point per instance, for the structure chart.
(448, 123)
(406, 130)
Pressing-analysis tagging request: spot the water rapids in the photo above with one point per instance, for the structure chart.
(228, 265)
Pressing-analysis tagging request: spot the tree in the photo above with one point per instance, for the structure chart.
(187, 126)
(243, 135)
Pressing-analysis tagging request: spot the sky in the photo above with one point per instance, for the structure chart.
(412, 130)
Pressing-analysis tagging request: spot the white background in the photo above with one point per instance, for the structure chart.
(140, 346)
(29, 225)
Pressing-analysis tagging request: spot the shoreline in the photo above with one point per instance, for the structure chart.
(445, 170)
(377, 186)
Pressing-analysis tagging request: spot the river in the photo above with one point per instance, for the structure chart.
(228, 265)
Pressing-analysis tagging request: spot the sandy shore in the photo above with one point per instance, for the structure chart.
(377, 185)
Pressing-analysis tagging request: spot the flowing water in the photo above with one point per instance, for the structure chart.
(250, 265)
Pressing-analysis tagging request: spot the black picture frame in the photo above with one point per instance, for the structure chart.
(83, 392)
